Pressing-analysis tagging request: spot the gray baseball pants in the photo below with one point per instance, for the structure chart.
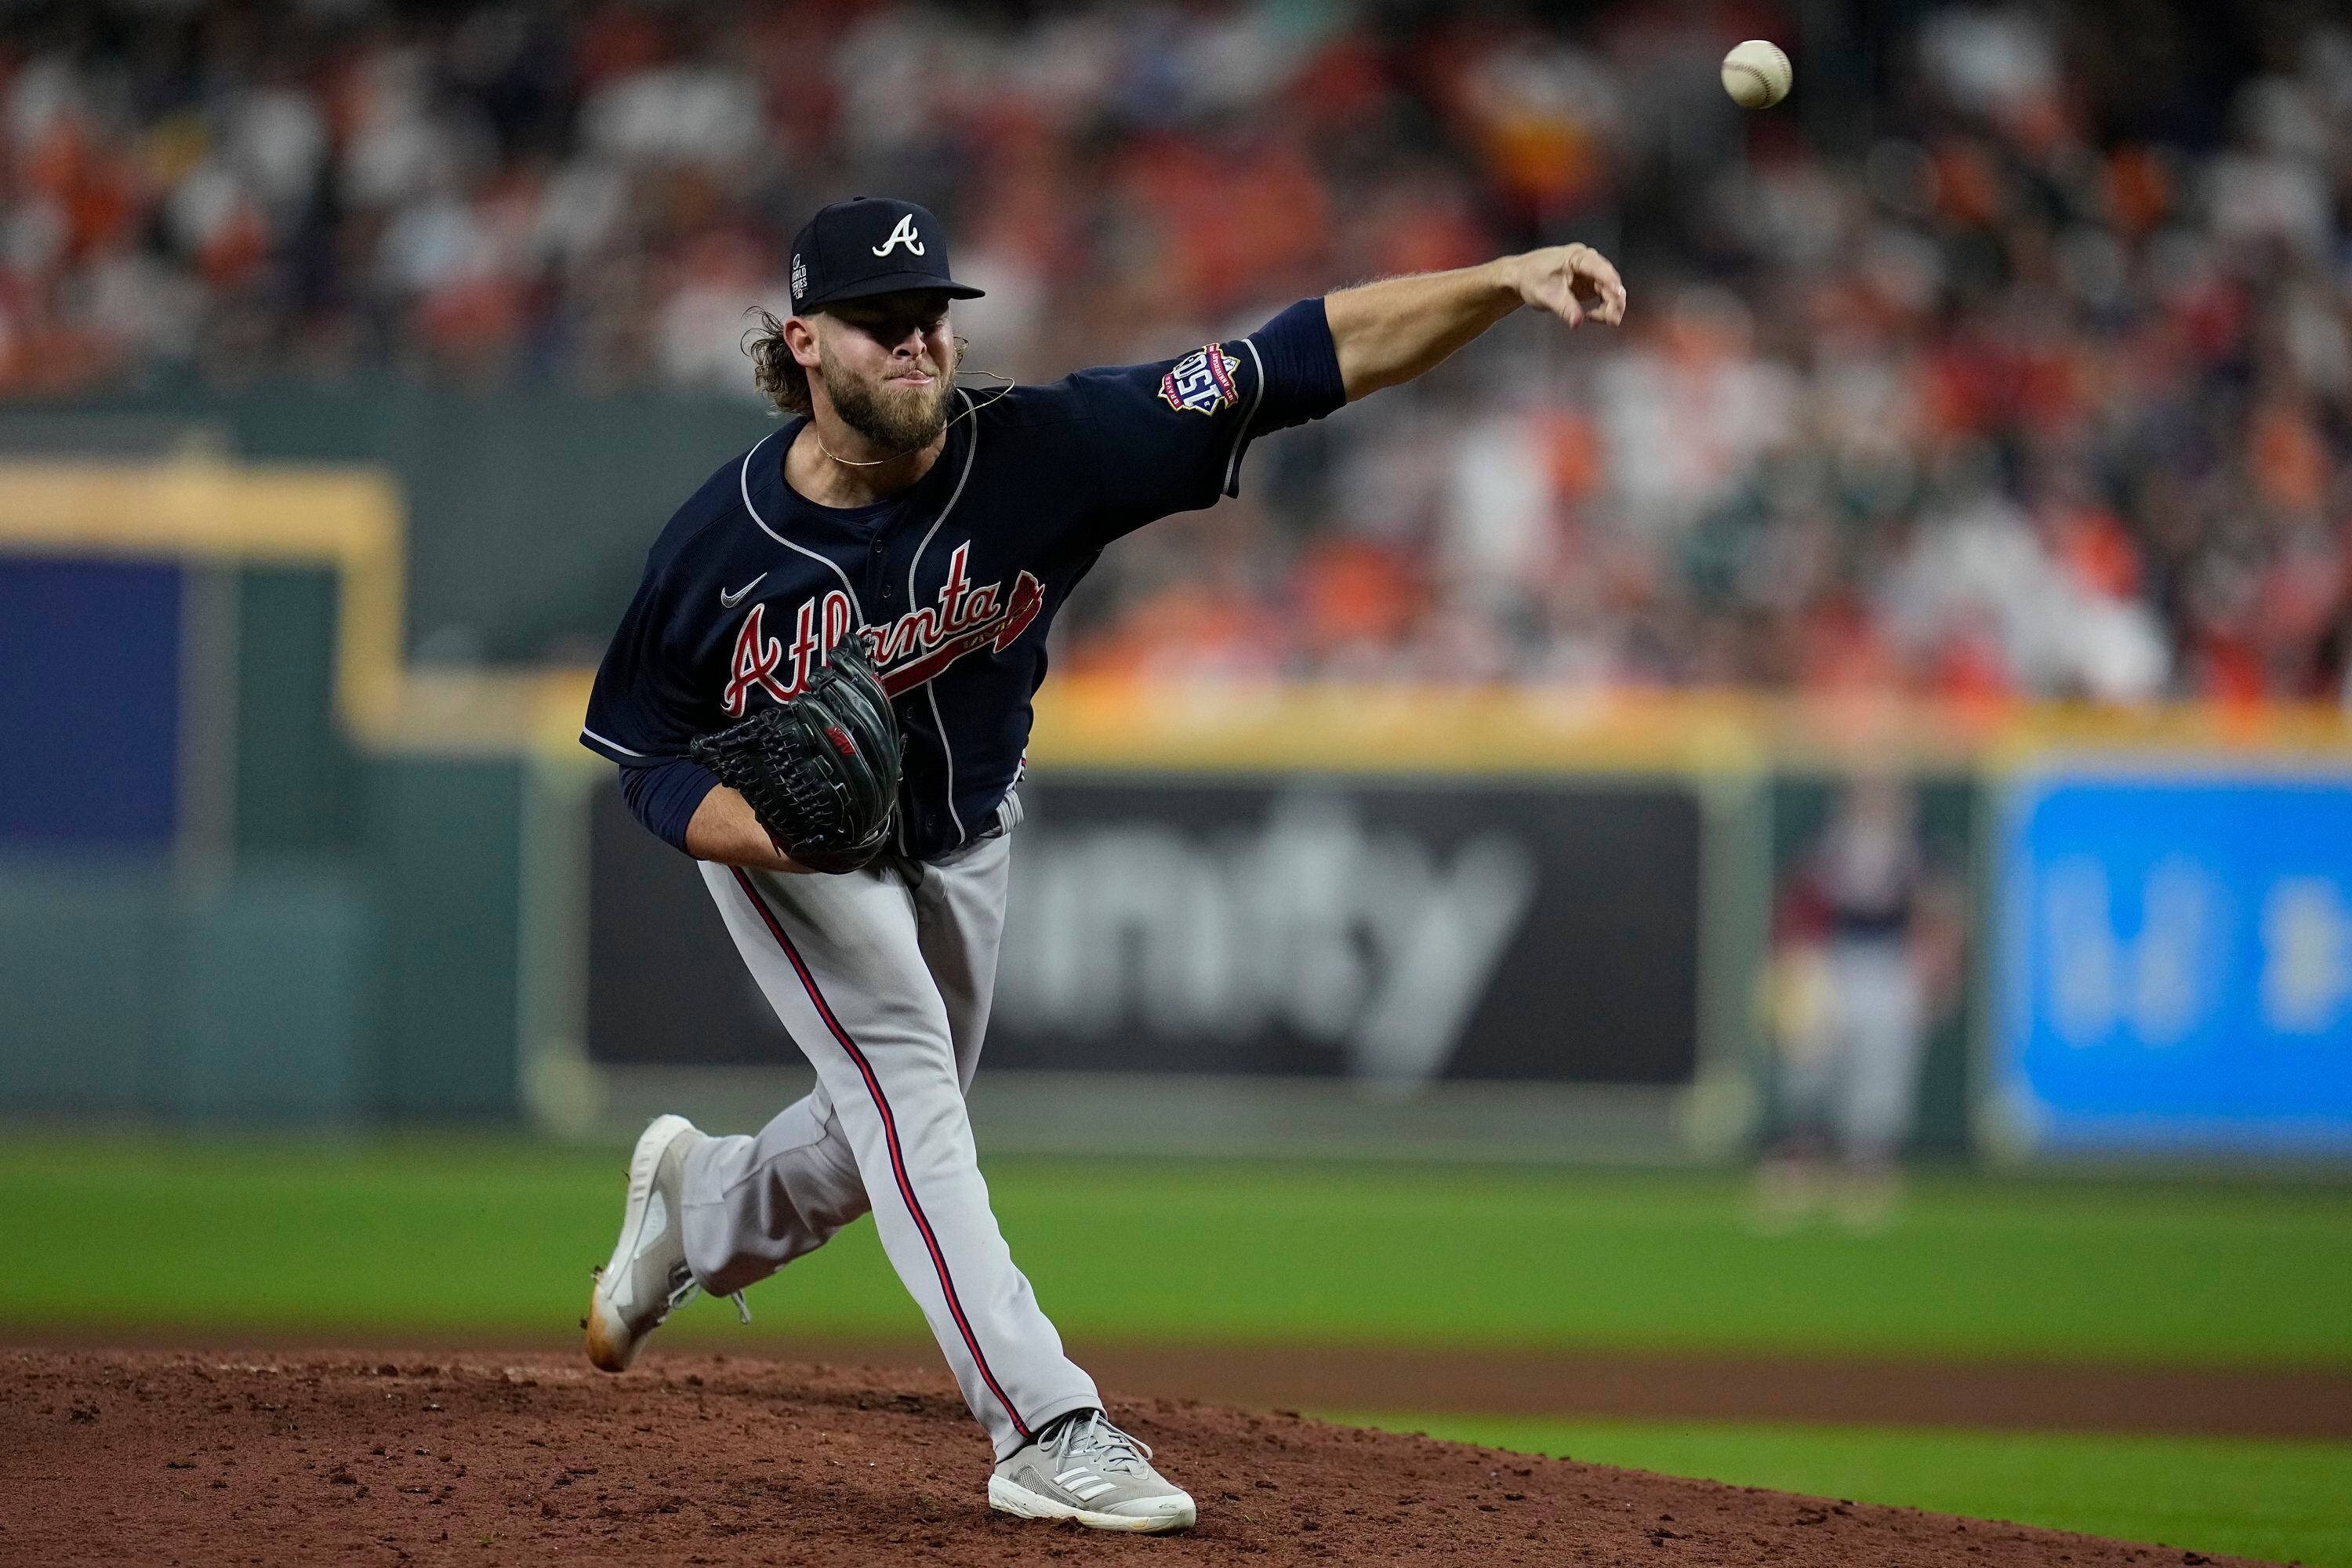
(1865, 1085)
(883, 978)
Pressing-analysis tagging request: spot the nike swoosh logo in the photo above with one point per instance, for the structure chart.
(727, 601)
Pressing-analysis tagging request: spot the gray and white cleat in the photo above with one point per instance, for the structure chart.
(647, 1277)
(1083, 1468)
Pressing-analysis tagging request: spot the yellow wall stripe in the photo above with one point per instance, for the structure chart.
(347, 519)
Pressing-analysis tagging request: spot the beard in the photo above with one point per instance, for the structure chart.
(895, 419)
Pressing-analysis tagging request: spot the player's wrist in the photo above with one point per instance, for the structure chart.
(1505, 278)
(1532, 275)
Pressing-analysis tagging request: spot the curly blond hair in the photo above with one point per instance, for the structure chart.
(780, 377)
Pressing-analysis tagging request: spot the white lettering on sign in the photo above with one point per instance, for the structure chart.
(1369, 939)
(2306, 955)
(2154, 982)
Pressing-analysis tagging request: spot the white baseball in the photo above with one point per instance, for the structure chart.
(1758, 75)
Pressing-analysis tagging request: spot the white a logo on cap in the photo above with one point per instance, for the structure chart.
(903, 235)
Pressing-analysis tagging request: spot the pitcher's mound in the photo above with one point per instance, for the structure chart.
(336, 1458)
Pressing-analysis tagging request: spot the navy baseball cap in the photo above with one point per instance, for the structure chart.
(868, 245)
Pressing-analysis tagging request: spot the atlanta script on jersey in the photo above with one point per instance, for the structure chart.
(952, 585)
(910, 651)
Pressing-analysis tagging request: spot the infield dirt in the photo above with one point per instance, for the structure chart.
(157, 1457)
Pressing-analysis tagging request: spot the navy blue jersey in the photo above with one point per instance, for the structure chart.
(951, 583)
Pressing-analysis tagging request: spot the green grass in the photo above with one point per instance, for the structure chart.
(471, 1237)
(495, 1236)
(2279, 1501)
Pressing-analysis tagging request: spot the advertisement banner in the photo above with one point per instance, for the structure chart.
(1400, 931)
(2176, 964)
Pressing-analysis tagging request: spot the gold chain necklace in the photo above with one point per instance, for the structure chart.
(971, 405)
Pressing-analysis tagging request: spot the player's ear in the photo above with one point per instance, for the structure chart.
(800, 336)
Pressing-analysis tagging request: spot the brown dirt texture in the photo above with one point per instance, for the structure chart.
(162, 1457)
(2305, 1402)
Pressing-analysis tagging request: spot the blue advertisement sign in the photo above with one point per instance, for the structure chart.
(2176, 964)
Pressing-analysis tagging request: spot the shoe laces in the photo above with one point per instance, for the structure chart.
(685, 1288)
(1103, 1445)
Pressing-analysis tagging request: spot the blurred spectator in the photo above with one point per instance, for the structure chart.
(2028, 375)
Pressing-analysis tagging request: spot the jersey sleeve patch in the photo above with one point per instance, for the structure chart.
(1202, 381)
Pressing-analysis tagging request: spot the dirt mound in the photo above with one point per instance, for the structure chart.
(313, 1459)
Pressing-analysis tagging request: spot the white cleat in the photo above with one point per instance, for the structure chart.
(647, 1277)
(1088, 1469)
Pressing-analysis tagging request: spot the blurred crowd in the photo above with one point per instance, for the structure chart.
(2010, 357)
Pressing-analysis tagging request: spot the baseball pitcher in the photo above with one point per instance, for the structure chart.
(822, 694)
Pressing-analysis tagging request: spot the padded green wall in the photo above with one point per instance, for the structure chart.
(353, 958)
(445, 863)
(296, 780)
(377, 982)
(134, 994)
(529, 516)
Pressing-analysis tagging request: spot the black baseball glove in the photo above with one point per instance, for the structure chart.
(821, 771)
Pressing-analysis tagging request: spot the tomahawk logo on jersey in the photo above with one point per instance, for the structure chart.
(953, 585)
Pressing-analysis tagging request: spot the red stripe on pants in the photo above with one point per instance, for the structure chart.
(890, 1134)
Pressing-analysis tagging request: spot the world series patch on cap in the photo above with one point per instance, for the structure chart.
(868, 246)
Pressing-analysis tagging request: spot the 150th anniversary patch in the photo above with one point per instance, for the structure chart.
(1202, 380)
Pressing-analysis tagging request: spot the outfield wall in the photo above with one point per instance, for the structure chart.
(262, 865)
